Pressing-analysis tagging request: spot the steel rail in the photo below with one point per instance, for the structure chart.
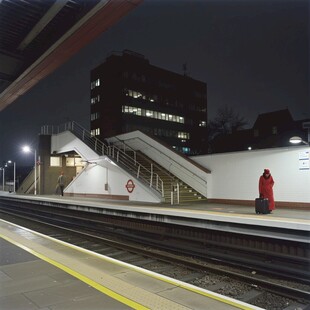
(171, 258)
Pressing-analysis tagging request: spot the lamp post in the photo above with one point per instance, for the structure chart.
(14, 186)
(297, 139)
(27, 149)
(3, 171)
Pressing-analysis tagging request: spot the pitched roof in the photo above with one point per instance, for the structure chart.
(273, 118)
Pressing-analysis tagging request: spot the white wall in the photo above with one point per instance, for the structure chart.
(100, 171)
(67, 141)
(93, 178)
(235, 175)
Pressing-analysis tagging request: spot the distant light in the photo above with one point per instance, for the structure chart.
(26, 149)
(249, 148)
(295, 140)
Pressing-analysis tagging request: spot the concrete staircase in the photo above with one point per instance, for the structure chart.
(27, 186)
(170, 181)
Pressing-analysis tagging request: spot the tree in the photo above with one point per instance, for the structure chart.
(226, 121)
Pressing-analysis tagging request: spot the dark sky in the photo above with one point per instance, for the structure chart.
(253, 55)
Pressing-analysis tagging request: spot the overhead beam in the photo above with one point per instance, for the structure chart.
(49, 15)
(99, 19)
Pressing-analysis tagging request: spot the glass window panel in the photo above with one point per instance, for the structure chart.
(55, 161)
(70, 161)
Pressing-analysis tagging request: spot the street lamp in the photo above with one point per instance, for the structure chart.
(27, 149)
(297, 140)
(14, 186)
(3, 171)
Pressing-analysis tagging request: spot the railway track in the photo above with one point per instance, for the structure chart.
(278, 256)
(246, 284)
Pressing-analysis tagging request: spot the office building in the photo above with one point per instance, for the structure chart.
(128, 94)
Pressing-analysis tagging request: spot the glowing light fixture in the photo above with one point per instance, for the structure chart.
(297, 140)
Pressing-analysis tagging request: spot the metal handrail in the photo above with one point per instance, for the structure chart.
(188, 171)
(151, 162)
(124, 160)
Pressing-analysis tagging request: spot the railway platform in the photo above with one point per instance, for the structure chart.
(40, 272)
(199, 214)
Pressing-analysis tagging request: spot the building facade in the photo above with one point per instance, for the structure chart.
(128, 93)
(272, 129)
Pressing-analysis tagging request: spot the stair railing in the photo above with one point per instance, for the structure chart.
(188, 171)
(124, 160)
(174, 189)
(175, 193)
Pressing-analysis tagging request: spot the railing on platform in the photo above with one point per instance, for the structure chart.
(114, 153)
(27, 186)
(174, 186)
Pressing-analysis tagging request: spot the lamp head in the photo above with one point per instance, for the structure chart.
(297, 140)
(26, 149)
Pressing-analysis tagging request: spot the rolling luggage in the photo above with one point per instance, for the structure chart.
(261, 206)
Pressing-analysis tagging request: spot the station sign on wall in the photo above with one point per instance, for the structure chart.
(304, 160)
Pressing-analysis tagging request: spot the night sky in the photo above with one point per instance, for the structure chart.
(253, 55)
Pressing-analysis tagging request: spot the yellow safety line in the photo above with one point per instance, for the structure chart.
(138, 269)
(79, 276)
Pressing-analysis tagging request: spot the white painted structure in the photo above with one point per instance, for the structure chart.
(235, 175)
(178, 165)
(101, 176)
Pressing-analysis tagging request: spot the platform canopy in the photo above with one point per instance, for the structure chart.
(37, 36)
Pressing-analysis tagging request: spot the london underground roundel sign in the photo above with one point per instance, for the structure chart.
(130, 186)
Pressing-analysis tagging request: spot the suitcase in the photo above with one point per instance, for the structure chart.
(261, 206)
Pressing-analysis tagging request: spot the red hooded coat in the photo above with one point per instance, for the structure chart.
(265, 189)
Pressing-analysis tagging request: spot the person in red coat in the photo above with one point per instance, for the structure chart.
(266, 183)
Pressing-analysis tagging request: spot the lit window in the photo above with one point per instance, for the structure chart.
(94, 116)
(95, 132)
(203, 124)
(134, 94)
(95, 84)
(79, 162)
(152, 114)
(186, 150)
(70, 161)
(183, 135)
(95, 99)
(55, 161)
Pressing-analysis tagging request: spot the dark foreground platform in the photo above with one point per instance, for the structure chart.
(39, 272)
